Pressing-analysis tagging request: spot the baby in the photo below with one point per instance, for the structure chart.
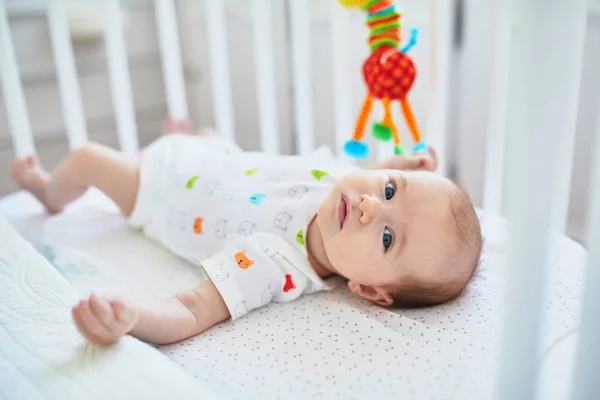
(268, 228)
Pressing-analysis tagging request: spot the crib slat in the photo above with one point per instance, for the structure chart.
(70, 92)
(266, 78)
(494, 169)
(302, 78)
(170, 53)
(120, 80)
(529, 201)
(586, 384)
(438, 120)
(14, 98)
(342, 84)
(566, 64)
(219, 67)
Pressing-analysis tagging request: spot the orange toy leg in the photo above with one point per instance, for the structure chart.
(410, 120)
(389, 122)
(363, 117)
(355, 147)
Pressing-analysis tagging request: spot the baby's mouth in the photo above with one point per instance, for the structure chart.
(343, 211)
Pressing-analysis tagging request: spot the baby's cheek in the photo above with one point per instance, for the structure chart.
(347, 253)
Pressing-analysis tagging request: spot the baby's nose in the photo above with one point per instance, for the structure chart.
(369, 208)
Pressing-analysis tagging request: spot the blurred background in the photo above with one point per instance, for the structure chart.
(471, 69)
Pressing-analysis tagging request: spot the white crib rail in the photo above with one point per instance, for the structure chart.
(533, 201)
(219, 67)
(496, 138)
(120, 80)
(14, 98)
(566, 67)
(302, 75)
(68, 83)
(528, 207)
(265, 75)
(438, 112)
(168, 40)
(342, 81)
(586, 384)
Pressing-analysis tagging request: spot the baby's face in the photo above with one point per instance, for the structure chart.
(380, 226)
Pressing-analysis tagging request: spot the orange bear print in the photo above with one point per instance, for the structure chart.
(198, 226)
(242, 260)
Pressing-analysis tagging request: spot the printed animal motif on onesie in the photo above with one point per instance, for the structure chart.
(300, 238)
(246, 228)
(198, 226)
(257, 198)
(251, 171)
(242, 260)
(230, 194)
(190, 183)
(297, 191)
(240, 309)
(276, 176)
(219, 274)
(268, 251)
(318, 174)
(282, 220)
(221, 229)
(210, 187)
(267, 295)
(289, 283)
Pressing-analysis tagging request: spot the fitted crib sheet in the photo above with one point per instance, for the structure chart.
(327, 345)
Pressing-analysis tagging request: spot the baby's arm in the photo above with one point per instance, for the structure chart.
(103, 319)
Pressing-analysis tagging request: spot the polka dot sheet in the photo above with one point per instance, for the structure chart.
(329, 345)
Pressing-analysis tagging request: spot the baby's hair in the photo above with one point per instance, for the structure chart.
(465, 227)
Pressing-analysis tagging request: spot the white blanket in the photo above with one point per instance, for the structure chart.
(43, 357)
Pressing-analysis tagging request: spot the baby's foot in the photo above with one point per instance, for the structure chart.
(103, 320)
(29, 175)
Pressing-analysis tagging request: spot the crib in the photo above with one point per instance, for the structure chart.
(528, 188)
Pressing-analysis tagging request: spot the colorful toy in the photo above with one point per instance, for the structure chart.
(389, 75)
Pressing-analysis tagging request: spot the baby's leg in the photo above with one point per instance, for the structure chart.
(93, 165)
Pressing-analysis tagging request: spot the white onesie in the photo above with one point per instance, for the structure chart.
(241, 216)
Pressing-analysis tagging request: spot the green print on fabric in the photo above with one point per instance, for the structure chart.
(300, 238)
(251, 171)
(190, 183)
(318, 174)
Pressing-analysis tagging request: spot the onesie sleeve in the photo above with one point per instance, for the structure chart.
(252, 271)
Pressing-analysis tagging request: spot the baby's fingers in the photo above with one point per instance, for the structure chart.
(101, 309)
(89, 325)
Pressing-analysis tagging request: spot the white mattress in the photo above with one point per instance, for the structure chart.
(43, 357)
(329, 345)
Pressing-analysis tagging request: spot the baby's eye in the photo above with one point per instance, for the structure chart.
(387, 238)
(390, 190)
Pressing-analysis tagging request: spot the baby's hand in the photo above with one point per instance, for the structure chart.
(415, 162)
(103, 319)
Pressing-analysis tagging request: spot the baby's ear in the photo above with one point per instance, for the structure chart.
(375, 294)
